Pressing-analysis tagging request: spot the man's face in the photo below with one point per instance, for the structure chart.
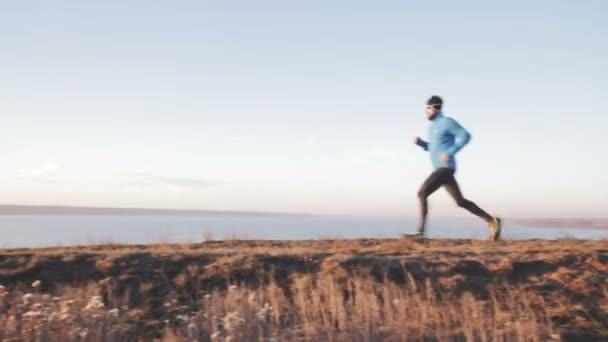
(431, 111)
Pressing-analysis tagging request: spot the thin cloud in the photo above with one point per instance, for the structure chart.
(383, 153)
(40, 180)
(239, 139)
(374, 155)
(140, 179)
(41, 170)
(42, 174)
(310, 142)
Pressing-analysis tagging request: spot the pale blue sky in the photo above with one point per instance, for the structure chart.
(305, 106)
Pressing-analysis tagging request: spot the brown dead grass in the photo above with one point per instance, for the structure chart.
(342, 290)
(333, 246)
(318, 309)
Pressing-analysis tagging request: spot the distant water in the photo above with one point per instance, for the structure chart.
(37, 231)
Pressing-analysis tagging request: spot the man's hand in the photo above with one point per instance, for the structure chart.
(445, 158)
(417, 140)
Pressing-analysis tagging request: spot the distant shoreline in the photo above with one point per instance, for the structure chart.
(565, 223)
(60, 210)
(57, 210)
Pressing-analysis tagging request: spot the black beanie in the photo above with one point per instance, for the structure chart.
(435, 101)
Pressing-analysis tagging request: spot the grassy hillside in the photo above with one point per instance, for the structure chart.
(344, 290)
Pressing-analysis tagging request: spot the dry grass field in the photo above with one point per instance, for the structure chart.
(318, 290)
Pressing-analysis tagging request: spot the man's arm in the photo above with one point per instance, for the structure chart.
(461, 137)
(418, 141)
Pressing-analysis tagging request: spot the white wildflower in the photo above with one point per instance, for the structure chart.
(192, 329)
(113, 313)
(67, 306)
(84, 333)
(27, 298)
(230, 316)
(264, 313)
(32, 314)
(95, 303)
(53, 317)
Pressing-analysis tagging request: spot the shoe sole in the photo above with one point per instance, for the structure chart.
(413, 237)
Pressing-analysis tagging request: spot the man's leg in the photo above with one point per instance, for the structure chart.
(430, 185)
(453, 189)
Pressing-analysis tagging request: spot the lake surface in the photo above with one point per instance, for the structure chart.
(38, 231)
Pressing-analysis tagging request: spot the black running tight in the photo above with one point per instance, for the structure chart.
(445, 177)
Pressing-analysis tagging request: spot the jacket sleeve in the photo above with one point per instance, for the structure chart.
(423, 144)
(461, 137)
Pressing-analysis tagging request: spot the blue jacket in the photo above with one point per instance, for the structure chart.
(446, 136)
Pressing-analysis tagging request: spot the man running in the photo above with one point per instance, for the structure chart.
(446, 138)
